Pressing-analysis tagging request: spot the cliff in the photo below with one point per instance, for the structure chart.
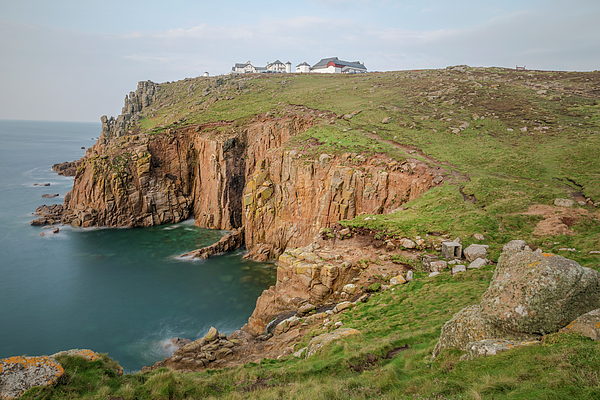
(228, 174)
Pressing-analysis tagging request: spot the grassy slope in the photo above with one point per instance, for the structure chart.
(508, 170)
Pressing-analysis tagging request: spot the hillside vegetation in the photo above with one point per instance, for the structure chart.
(511, 141)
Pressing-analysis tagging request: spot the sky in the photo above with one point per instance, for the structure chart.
(75, 60)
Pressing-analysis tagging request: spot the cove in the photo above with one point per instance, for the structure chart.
(118, 291)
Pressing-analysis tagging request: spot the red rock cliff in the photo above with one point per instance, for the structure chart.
(227, 176)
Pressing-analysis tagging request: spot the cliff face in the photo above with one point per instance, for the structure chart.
(227, 177)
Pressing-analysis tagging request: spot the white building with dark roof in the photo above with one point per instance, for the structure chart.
(331, 65)
(303, 68)
(248, 68)
(334, 65)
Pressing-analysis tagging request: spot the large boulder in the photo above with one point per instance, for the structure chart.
(18, 374)
(468, 326)
(536, 292)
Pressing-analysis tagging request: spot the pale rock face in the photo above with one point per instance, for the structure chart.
(491, 347)
(458, 268)
(349, 288)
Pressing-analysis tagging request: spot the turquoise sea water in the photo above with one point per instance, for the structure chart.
(117, 291)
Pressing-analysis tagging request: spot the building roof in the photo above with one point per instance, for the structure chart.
(352, 64)
(304, 63)
(238, 65)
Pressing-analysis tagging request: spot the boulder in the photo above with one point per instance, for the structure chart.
(479, 236)
(587, 324)
(563, 202)
(476, 251)
(458, 268)
(409, 276)
(514, 246)
(478, 263)
(437, 266)
(468, 326)
(341, 306)
(212, 334)
(397, 280)
(349, 288)
(407, 243)
(18, 374)
(538, 292)
(427, 259)
(318, 342)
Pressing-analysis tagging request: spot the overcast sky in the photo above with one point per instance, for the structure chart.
(74, 60)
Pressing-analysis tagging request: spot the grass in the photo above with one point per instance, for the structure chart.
(508, 140)
(408, 318)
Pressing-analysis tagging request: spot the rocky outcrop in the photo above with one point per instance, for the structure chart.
(68, 168)
(531, 293)
(18, 374)
(229, 242)
(134, 104)
(306, 275)
(48, 214)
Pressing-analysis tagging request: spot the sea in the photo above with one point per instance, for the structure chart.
(121, 291)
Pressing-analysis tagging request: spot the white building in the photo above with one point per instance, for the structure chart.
(274, 67)
(333, 65)
(303, 68)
